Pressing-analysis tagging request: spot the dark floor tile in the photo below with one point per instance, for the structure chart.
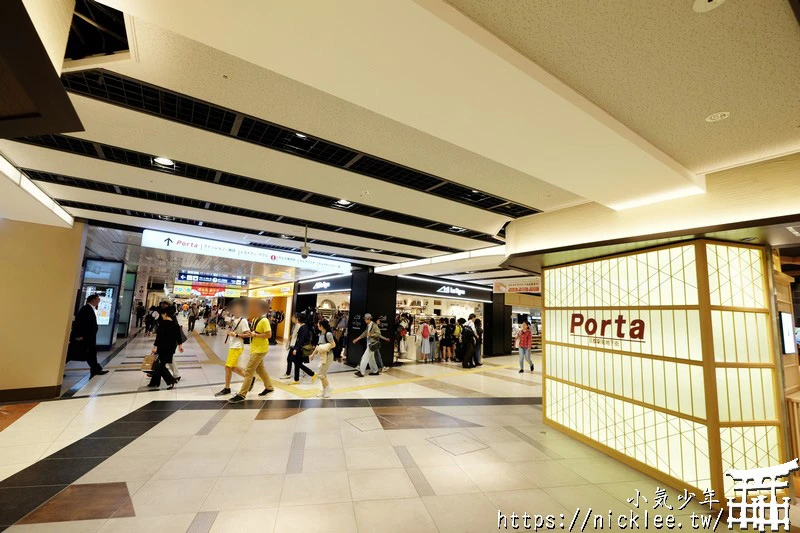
(385, 402)
(277, 413)
(393, 410)
(52, 472)
(400, 422)
(124, 429)
(247, 404)
(204, 404)
(272, 404)
(164, 406)
(88, 447)
(83, 502)
(316, 404)
(352, 402)
(146, 416)
(19, 501)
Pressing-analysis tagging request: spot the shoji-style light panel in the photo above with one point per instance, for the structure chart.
(664, 358)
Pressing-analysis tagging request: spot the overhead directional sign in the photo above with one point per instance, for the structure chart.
(205, 277)
(195, 245)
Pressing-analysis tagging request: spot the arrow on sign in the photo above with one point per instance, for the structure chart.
(168, 241)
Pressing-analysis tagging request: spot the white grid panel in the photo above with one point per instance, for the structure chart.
(667, 443)
(745, 394)
(748, 447)
(735, 276)
(650, 279)
(741, 337)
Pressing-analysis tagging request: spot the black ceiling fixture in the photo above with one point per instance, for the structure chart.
(130, 192)
(96, 29)
(134, 94)
(140, 160)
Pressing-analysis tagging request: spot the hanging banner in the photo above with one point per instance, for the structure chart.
(196, 245)
(532, 284)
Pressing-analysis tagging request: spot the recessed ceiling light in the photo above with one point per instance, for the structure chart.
(164, 161)
(283, 236)
(795, 230)
(261, 233)
(200, 223)
(343, 202)
(302, 136)
(456, 229)
(374, 250)
(473, 190)
(166, 217)
(718, 116)
(469, 272)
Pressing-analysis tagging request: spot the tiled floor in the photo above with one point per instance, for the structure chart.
(319, 466)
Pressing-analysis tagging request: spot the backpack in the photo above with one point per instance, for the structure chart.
(331, 339)
(426, 332)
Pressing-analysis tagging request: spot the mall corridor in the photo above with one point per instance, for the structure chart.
(404, 266)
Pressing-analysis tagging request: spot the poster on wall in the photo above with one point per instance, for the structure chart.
(104, 307)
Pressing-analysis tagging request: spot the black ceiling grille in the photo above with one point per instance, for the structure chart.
(196, 204)
(95, 30)
(145, 161)
(111, 87)
(152, 216)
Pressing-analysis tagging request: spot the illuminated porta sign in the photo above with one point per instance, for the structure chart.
(196, 245)
(332, 284)
(219, 279)
(442, 288)
(532, 284)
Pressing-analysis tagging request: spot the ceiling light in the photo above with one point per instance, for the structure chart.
(301, 135)
(374, 251)
(200, 223)
(718, 116)
(166, 217)
(261, 233)
(283, 236)
(473, 190)
(795, 230)
(343, 202)
(469, 272)
(164, 161)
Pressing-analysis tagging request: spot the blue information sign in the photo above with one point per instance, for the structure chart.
(205, 277)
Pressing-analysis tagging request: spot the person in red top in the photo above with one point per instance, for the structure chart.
(525, 342)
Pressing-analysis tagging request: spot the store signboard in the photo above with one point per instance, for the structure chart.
(209, 290)
(332, 284)
(204, 277)
(196, 245)
(442, 288)
(232, 293)
(286, 289)
(531, 284)
(182, 290)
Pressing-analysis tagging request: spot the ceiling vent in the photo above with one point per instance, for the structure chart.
(98, 35)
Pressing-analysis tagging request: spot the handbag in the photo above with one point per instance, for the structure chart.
(149, 361)
(184, 338)
(307, 349)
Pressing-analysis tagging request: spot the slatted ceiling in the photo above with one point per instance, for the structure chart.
(105, 86)
(514, 211)
(113, 88)
(68, 204)
(190, 171)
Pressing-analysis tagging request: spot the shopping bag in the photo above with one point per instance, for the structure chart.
(147, 364)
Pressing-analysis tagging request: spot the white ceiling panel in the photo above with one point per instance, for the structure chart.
(37, 158)
(122, 127)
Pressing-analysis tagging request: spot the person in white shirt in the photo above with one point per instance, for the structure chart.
(236, 335)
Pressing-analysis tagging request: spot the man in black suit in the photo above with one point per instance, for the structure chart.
(84, 335)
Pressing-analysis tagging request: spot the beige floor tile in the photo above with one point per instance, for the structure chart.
(408, 437)
(493, 477)
(486, 456)
(532, 501)
(23, 453)
(324, 460)
(430, 455)
(259, 440)
(603, 470)
(327, 518)
(171, 496)
(315, 488)
(520, 451)
(394, 516)
(352, 437)
(571, 449)
(264, 461)
(322, 440)
(449, 480)
(77, 526)
(245, 521)
(550, 473)
(381, 484)
(125, 468)
(491, 435)
(177, 523)
(244, 492)
(365, 424)
(462, 513)
(587, 496)
(192, 465)
(372, 458)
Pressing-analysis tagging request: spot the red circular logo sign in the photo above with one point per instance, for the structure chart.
(273, 257)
